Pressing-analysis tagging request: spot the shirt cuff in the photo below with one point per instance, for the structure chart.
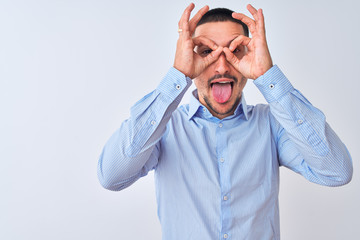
(174, 83)
(273, 84)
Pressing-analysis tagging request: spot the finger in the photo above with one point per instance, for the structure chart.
(253, 12)
(184, 20)
(261, 21)
(194, 21)
(230, 57)
(200, 41)
(245, 19)
(240, 40)
(212, 57)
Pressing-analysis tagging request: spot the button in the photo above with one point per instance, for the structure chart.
(153, 122)
(271, 86)
(225, 235)
(220, 125)
(300, 121)
(178, 87)
(225, 198)
(222, 160)
(204, 109)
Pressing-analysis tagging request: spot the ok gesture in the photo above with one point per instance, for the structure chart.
(257, 59)
(187, 60)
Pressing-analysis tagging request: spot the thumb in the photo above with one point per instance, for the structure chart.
(231, 58)
(213, 56)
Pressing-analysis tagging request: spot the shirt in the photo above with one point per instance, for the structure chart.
(219, 179)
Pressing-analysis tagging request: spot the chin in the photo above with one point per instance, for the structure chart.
(222, 109)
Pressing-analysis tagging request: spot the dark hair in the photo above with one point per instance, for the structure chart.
(222, 15)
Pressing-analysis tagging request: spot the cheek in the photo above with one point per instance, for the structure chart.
(242, 83)
(200, 83)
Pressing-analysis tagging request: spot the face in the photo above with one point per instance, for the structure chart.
(220, 85)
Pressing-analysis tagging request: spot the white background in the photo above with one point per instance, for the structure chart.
(70, 71)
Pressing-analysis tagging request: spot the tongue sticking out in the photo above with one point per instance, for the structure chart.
(221, 92)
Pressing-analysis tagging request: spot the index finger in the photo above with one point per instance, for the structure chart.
(203, 41)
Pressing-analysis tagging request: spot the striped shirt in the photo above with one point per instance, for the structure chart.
(219, 179)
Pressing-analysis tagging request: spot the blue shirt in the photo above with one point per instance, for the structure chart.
(219, 179)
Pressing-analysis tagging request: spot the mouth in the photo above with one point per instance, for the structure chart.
(221, 89)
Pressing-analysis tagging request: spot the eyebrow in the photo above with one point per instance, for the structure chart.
(228, 43)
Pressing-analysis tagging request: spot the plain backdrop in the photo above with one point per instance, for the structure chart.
(70, 70)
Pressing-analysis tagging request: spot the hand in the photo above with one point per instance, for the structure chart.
(186, 60)
(256, 60)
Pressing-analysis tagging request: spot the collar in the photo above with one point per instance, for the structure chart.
(196, 108)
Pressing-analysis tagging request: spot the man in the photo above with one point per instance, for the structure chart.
(217, 159)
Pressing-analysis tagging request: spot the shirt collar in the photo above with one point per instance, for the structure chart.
(196, 108)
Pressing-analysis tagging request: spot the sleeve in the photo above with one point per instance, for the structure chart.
(133, 150)
(306, 143)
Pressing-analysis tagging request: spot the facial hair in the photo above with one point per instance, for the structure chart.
(236, 103)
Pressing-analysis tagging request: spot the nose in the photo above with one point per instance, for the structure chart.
(222, 65)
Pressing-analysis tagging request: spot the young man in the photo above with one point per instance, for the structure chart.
(217, 159)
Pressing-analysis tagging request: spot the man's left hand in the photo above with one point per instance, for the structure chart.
(257, 59)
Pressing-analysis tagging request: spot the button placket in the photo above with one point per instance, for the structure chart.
(225, 183)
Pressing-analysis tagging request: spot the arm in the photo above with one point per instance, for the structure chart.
(306, 143)
(134, 148)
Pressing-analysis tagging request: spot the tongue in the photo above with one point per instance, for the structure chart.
(221, 92)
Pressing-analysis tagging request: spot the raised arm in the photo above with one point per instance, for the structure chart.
(305, 141)
(134, 148)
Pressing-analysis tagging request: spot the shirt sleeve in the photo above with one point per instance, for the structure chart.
(133, 149)
(305, 141)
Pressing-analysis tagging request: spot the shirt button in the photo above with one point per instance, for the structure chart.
(220, 125)
(204, 109)
(225, 235)
(300, 121)
(153, 122)
(178, 87)
(222, 160)
(225, 198)
(271, 86)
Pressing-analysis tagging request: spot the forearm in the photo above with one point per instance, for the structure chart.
(133, 149)
(306, 143)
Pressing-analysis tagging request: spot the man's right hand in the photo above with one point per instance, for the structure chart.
(187, 61)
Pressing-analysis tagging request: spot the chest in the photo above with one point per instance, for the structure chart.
(238, 153)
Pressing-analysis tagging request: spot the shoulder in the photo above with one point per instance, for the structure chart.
(178, 120)
(181, 112)
(179, 116)
(258, 111)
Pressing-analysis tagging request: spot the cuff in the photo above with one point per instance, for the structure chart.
(273, 84)
(174, 83)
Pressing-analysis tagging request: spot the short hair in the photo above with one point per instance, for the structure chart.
(222, 15)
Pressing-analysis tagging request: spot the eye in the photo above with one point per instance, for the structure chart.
(205, 52)
(237, 50)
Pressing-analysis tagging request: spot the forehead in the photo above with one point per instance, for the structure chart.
(222, 33)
